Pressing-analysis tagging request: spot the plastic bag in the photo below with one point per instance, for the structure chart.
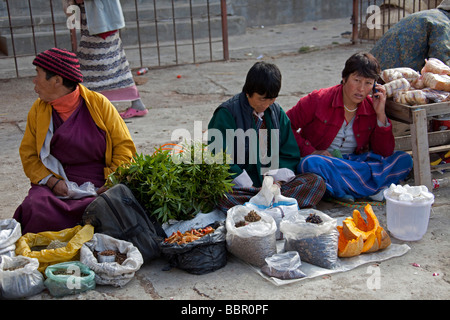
(270, 200)
(113, 273)
(205, 255)
(316, 243)
(437, 96)
(393, 74)
(254, 242)
(200, 220)
(284, 266)
(75, 237)
(19, 277)
(10, 232)
(436, 66)
(396, 86)
(87, 189)
(70, 277)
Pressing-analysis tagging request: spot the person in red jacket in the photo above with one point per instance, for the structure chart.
(345, 137)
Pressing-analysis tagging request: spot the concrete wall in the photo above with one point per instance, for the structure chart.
(276, 12)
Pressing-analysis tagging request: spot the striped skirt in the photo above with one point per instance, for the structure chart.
(358, 175)
(105, 66)
(308, 189)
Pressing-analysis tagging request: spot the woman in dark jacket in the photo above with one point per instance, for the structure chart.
(257, 134)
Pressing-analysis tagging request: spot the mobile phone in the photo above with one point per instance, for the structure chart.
(374, 90)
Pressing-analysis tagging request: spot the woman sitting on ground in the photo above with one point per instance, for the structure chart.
(345, 137)
(257, 133)
(73, 137)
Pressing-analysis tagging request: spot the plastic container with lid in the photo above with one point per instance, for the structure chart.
(407, 220)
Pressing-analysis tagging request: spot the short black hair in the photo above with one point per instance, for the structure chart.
(364, 64)
(263, 78)
(69, 84)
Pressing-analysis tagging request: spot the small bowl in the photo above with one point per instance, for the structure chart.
(106, 258)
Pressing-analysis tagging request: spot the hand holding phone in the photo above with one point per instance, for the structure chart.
(375, 90)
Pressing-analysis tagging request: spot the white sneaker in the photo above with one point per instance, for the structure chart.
(379, 196)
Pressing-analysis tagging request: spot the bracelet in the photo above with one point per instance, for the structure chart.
(53, 187)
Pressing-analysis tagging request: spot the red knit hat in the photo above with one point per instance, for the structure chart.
(61, 62)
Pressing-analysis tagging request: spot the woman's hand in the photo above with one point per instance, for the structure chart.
(379, 103)
(58, 187)
(102, 189)
(322, 153)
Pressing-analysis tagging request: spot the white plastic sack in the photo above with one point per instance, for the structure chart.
(294, 226)
(254, 242)
(24, 281)
(10, 232)
(284, 266)
(270, 200)
(316, 243)
(111, 273)
(201, 220)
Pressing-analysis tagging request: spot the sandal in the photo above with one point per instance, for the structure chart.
(130, 113)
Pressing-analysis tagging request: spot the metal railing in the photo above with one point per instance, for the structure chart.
(372, 18)
(158, 33)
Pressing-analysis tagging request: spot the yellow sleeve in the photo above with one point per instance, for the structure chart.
(38, 120)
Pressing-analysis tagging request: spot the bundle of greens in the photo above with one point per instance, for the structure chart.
(176, 185)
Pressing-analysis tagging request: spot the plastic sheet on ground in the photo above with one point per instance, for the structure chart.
(201, 220)
(311, 271)
(344, 264)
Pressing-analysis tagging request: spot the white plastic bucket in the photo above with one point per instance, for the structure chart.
(407, 220)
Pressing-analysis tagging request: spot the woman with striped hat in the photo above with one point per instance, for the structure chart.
(74, 138)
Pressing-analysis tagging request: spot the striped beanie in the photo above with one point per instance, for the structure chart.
(61, 62)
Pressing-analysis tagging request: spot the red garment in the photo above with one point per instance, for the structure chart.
(106, 34)
(320, 115)
(67, 104)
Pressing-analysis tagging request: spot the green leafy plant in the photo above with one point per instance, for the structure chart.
(176, 183)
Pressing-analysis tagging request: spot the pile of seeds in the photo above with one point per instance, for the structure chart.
(252, 216)
(12, 268)
(66, 272)
(314, 218)
(120, 257)
(55, 244)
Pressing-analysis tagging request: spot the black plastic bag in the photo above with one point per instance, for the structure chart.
(201, 256)
(117, 213)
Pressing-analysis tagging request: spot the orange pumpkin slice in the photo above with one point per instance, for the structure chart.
(370, 243)
(356, 227)
(349, 247)
(360, 223)
(384, 240)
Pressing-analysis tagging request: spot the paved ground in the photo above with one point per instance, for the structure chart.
(179, 102)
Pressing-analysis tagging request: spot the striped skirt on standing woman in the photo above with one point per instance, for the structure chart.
(104, 64)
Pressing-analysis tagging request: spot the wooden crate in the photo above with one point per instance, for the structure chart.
(421, 142)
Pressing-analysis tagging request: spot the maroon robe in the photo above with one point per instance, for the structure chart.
(80, 147)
